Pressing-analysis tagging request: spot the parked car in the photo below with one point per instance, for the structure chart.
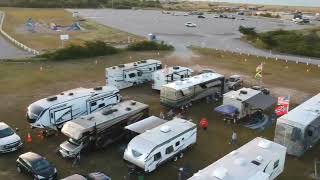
(235, 82)
(201, 16)
(9, 140)
(216, 16)
(91, 176)
(190, 24)
(36, 166)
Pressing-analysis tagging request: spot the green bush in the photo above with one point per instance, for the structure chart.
(149, 46)
(249, 31)
(90, 49)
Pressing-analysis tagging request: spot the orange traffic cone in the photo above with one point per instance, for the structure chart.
(29, 138)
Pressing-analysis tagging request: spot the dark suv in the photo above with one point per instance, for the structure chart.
(36, 165)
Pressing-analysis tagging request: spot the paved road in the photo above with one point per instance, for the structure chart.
(9, 51)
(211, 32)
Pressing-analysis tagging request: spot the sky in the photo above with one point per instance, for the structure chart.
(309, 3)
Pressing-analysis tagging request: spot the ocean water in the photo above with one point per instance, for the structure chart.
(306, 3)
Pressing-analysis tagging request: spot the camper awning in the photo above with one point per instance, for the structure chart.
(226, 110)
(261, 101)
(145, 124)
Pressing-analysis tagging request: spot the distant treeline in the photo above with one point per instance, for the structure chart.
(299, 42)
(118, 4)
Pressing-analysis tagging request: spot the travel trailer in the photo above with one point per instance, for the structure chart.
(160, 144)
(131, 74)
(168, 75)
(259, 159)
(99, 129)
(52, 112)
(244, 102)
(299, 130)
(180, 93)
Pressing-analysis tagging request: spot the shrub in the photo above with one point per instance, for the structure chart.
(149, 46)
(89, 49)
(247, 31)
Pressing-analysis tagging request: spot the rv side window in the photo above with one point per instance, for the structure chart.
(181, 76)
(51, 115)
(157, 156)
(125, 76)
(178, 143)
(169, 150)
(276, 164)
(132, 75)
(150, 69)
(101, 105)
(93, 103)
(159, 67)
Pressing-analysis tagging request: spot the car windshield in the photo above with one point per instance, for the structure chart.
(35, 110)
(6, 132)
(40, 165)
(74, 142)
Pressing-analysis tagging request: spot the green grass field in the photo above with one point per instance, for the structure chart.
(46, 39)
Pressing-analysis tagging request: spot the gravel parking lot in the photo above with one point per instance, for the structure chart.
(210, 32)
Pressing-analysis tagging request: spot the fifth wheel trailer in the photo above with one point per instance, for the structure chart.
(131, 74)
(101, 128)
(155, 146)
(299, 130)
(259, 159)
(52, 112)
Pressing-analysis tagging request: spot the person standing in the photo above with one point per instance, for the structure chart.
(234, 139)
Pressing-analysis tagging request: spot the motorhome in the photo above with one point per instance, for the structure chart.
(99, 129)
(259, 159)
(52, 112)
(168, 75)
(160, 144)
(131, 74)
(182, 92)
(244, 102)
(299, 130)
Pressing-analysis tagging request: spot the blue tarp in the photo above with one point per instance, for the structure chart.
(226, 110)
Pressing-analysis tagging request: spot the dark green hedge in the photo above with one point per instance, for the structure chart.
(149, 46)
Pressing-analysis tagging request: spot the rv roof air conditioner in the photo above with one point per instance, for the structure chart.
(133, 103)
(70, 94)
(121, 65)
(97, 88)
(165, 129)
(220, 173)
(52, 98)
(109, 111)
(264, 144)
(128, 109)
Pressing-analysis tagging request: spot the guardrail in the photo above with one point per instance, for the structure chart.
(14, 41)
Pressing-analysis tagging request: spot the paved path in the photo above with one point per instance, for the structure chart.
(211, 32)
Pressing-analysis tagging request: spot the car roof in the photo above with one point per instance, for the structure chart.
(31, 157)
(3, 125)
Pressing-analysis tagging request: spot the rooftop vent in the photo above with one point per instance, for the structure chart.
(62, 93)
(243, 92)
(220, 173)
(259, 158)
(114, 67)
(109, 111)
(121, 65)
(165, 129)
(176, 67)
(143, 61)
(133, 103)
(97, 88)
(70, 94)
(52, 98)
(128, 109)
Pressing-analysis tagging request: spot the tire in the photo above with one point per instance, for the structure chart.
(19, 169)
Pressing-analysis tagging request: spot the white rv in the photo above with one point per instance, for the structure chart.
(180, 93)
(168, 75)
(127, 75)
(259, 159)
(99, 129)
(299, 130)
(160, 144)
(244, 102)
(52, 112)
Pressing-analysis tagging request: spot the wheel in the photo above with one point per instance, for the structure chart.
(175, 158)
(19, 169)
(181, 155)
